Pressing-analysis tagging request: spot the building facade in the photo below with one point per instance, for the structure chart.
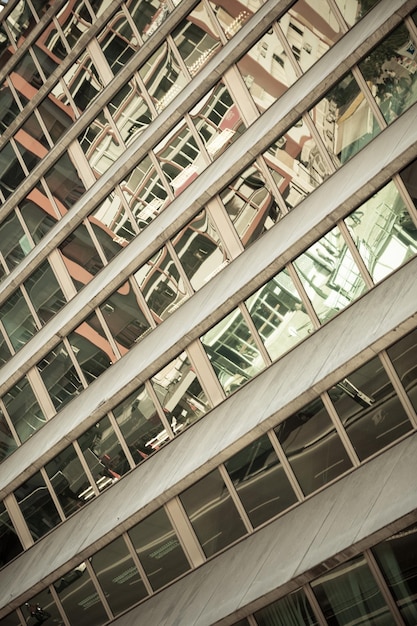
(208, 312)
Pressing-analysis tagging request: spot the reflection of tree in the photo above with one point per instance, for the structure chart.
(371, 67)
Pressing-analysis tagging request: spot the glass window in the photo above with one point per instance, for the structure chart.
(91, 348)
(10, 545)
(27, 70)
(124, 317)
(140, 424)
(233, 351)
(113, 225)
(130, 111)
(60, 376)
(159, 550)
(14, 243)
(103, 454)
(196, 38)
(180, 394)
(250, 204)
(313, 447)
(18, 320)
(354, 12)
(292, 610)
(403, 355)
(37, 506)
(231, 17)
(20, 20)
(200, 250)
(79, 598)
(212, 513)
(267, 70)
(56, 116)
(11, 172)
(161, 285)
(390, 71)
(9, 109)
(180, 157)
(11, 620)
(38, 213)
(369, 408)
(396, 558)
(409, 176)
(83, 81)
(7, 442)
(101, 144)
(384, 232)
(148, 15)
(41, 608)
(74, 19)
(44, 292)
(118, 576)
(23, 409)
(279, 315)
(163, 76)
(68, 480)
(344, 120)
(80, 256)
(349, 594)
(64, 183)
(118, 42)
(330, 275)
(260, 481)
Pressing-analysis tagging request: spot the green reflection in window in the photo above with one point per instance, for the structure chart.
(23, 409)
(212, 513)
(37, 506)
(60, 376)
(403, 355)
(369, 408)
(292, 610)
(38, 214)
(354, 12)
(232, 351)
(383, 232)
(11, 172)
(68, 479)
(64, 183)
(279, 315)
(330, 275)
(260, 481)
(313, 446)
(44, 292)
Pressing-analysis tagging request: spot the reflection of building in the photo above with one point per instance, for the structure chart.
(208, 246)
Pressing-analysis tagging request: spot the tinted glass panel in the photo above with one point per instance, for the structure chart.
(80, 599)
(124, 317)
(403, 354)
(10, 545)
(64, 183)
(44, 292)
(60, 376)
(80, 256)
(41, 608)
(18, 320)
(292, 610)
(37, 506)
(68, 480)
(7, 442)
(14, 244)
(92, 351)
(23, 409)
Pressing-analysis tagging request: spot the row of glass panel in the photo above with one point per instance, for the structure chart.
(298, 162)
(355, 419)
(361, 250)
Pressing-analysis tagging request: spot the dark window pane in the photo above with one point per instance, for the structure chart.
(68, 480)
(11, 172)
(23, 409)
(80, 255)
(92, 351)
(64, 183)
(403, 354)
(41, 608)
(37, 506)
(313, 447)
(292, 610)
(260, 481)
(124, 317)
(14, 244)
(10, 545)
(7, 442)
(18, 320)
(80, 599)
(44, 292)
(212, 513)
(60, 376)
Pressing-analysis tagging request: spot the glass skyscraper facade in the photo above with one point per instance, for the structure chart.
(208, 312)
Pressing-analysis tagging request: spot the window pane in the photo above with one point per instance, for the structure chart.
(10, 545)
(41, 608)
(60, 376)
(14, 244)
(144, 192)
(23, 409)
(124, 317)
(113, 222)
(349, 594)
(68, 480)
(212, 513)
(80, 256)
(148, 15)
(163, 77)
(38, 214)
(37, 506)
(11, 172)
(91, 349)
(313, 447)
(159, 550)
(140, 424)
(100, 144)
(369, 408)
(232, 351)
(44, 292)
(11, 620)
(7, 442)
(260, 481)
(18, 320)
(396, 558)
(354, 12)
(180, 158)
(130, 111)
(292, 610)
(118, 576)
(118, 42)
(403, 354)
(279, 315)
(80, 599)
(64, 183)
(330, 275)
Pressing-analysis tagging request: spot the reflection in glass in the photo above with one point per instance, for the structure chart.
(260, 481)
(197, 39)
(390, 71)
(383, 232)
(129, 111)
(124, 317)
(11, 620)
(313, 447)
(396, 558)
(103, 454)
(148, 15)
(344, 120)
(7, 442)
(162, 285)
(11, 172)
(64, 183)
(118, 576)
(159, 549)
(17, 320)
(80, 256)
(68, 479)
(330, 275)
(41, 608)
(37, 506)
(233, 351)
(10, 545)
(20, 20)
(79, 598)
(298, 162)
(180, 157)
(74, 19)
(162, 76)
(26, 69)
(44, 292)
(267, 70)
(217, 120)
(144, 192)
(403, 355)
(56, 118)
(279, 315)
(140, 424)
(292, 610)
(349, 594)
(113, 225)
(212, 513)
(83, 81)
(23, 409)
(354, 11)
(231, 17)
(369, 408)
(250, 204)
(38, 213)
(181, 396)
(118, 42)
(409, 177)
(200, 250)
(14, 243)
(100, 144)
(91, 348)
(8, 105)
(60, 376)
